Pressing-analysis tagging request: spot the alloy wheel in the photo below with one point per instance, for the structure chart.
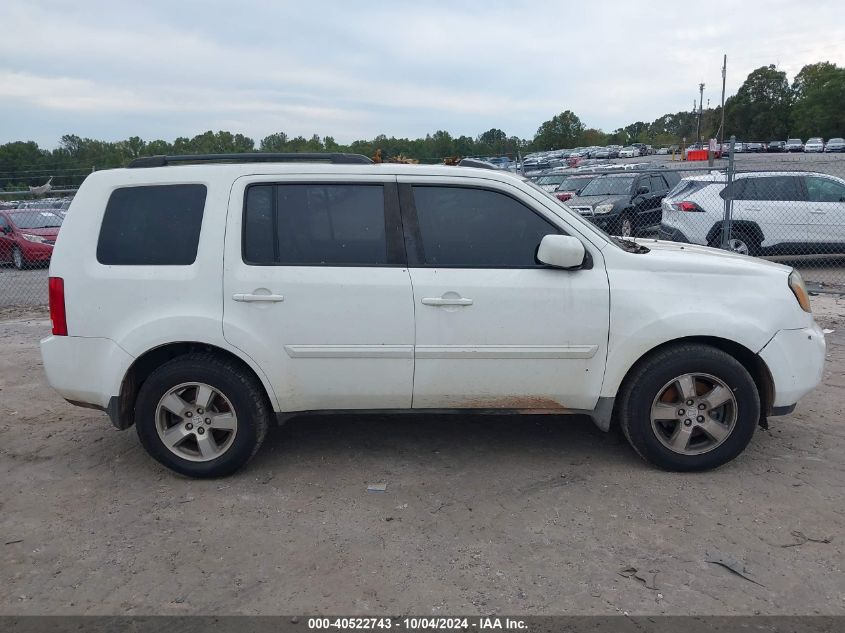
(196, 422)
(694, 413)
(738, 246)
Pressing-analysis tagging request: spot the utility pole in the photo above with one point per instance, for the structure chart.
(722, 124)
(700, 108)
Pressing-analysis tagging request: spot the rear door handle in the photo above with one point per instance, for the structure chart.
(250, 298)
(439, 301)
(818, 212)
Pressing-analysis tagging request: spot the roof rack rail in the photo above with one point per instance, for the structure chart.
(251, 157)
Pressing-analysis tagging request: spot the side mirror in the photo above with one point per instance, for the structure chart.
(641, 191)
(561, 251)
(7, 230)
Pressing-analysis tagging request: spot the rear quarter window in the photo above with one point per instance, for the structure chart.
(155, 225)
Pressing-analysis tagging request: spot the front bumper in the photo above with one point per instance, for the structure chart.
(795, 359)
(606, 221)
(35, 252)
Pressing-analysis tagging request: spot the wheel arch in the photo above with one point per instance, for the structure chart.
(752, 362)
(121, 408)
(752, 228)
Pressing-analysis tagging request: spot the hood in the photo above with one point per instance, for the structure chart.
(593, 200)
(693, 258)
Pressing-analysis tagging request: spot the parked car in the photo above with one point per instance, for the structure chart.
(550, 182)
(754, 146)
(663, 151)
(624, 203)
(835, 145)
(815, 144)
(572, 186)
(274, 289)
(776, 146)
(502, 162)
(772, 212)
(629, 152)
(27, 236)
(642, 148)
(794, 145)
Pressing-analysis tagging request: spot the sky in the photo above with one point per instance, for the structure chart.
(355, 69)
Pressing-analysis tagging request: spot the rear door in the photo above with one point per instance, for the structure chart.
(494, 328)
(826, 210)
(316, 290)
(775, 204)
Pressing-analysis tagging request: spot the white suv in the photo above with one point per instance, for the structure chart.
(772, 213)
(201, 302)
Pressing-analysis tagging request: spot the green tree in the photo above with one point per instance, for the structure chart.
(561, 131)
(760, 109)
(819, 109)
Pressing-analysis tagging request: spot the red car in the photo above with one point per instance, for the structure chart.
(572, 186)
(27, 236)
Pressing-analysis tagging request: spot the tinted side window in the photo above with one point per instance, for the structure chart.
(773, 188)
(314, 225)
(824, 190)
(658, 184)
(156, 225)
(477, 228)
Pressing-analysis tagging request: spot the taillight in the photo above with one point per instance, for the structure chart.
(688, 206)
(563, 196)
(57, 306)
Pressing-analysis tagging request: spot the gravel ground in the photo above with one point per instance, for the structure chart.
(521, 515)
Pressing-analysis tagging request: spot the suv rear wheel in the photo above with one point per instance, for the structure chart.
(689, 407)
(742, 242)
(201, 416)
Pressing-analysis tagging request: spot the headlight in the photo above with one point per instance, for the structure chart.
(796, 284)
(603, 208)
(33, 238)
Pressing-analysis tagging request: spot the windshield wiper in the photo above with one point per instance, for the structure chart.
(630, 245)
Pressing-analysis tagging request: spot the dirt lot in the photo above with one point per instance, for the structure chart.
(521, 515)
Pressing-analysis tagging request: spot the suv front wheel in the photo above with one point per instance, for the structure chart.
(689, 407)
(201, 415)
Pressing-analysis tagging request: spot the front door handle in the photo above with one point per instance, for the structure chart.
(818, 212)
(250, 298)
(440, 301)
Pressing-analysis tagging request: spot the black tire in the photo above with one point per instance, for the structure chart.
(641, 388)
(245, 393)
(18, 260)
(621, 223)
(752, 242)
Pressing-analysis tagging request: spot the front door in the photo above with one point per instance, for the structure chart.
(316, 290)
(494, 328)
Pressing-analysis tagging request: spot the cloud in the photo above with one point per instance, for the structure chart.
(359, 69)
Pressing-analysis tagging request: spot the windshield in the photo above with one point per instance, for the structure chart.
(608, 186)
(815, 140)
(837, 140)
(554, 179)
(573, 183)
(794, 140)
(36, 220)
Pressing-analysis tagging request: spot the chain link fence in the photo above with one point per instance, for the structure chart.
(788, 208)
